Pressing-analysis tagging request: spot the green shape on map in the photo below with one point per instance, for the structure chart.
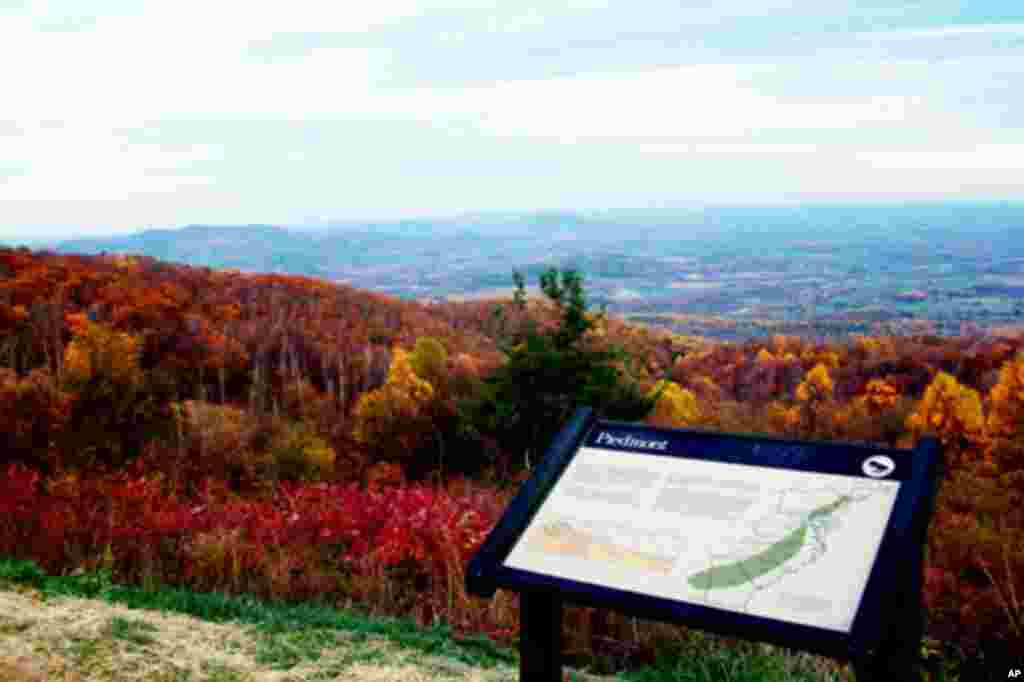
(829, 508)
(741, 572)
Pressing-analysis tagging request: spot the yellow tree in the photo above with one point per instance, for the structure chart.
(675, 407)
(408, 389)
(1006, 418)
(1006, 401)
(390, 420)
(816, 386)
(429, 361)
(814, 395)
(299, 453)
(953, 413)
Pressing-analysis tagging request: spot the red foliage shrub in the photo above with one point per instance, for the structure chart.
(212, 542)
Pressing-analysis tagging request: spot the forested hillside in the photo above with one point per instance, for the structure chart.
(292, 437)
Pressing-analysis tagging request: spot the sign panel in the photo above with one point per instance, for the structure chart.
(812, 545)
(795, 546)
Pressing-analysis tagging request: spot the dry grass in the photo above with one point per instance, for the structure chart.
(76, 640)
(17, 671)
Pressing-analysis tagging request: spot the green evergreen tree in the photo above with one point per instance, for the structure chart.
(547, 376)
(519, 298)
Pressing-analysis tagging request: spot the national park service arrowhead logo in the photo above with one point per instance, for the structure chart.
(878, 466)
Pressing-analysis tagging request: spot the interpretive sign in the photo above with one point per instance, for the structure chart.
(815, 546)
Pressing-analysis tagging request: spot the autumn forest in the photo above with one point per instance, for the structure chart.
(294, 438)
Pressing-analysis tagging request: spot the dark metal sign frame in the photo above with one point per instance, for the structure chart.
(884, 640)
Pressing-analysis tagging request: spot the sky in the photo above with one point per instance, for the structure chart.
(122, 115)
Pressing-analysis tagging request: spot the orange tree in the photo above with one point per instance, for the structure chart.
(114, 412)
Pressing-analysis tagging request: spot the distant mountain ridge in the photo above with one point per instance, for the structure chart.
(851, 266)
(246, 247)
(337, 250)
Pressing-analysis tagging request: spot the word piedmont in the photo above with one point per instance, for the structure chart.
(627, 441)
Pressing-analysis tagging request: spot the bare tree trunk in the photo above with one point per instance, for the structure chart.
(323, 367)
(202, 427)
(296, 377)
(342, 382)
(254, 387)
(440, 453)
(368, 364)
(181, 444)
(46, 350)
(263, 391)
(57, 321)
(60, 356)
(200, 391)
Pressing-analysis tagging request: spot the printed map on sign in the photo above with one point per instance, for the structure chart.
(789, 545)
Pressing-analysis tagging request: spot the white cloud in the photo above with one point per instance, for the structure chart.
(702, 100)
(741, 149)
(250, 18)
(191, 60)
(981, 157)
(171, 64)
(77, 162)
(949, 31)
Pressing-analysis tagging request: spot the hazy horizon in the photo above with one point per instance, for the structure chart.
(124, 116)
(61, 236)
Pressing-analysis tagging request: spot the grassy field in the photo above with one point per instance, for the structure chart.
(113, 632)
